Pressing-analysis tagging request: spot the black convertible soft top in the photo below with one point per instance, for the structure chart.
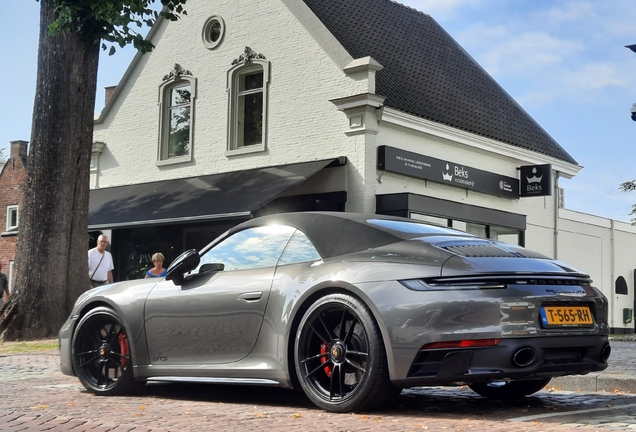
(334, 233)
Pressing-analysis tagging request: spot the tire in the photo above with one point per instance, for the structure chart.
(101, 354)
(340, 358)
(504, 390)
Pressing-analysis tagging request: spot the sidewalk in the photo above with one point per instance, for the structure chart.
(619, 377)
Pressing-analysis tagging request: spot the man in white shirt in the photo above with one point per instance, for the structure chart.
(100, 263)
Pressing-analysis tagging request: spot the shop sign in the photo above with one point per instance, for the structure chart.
(446, 172)
(536, 180)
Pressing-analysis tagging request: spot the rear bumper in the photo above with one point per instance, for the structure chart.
(513, 359)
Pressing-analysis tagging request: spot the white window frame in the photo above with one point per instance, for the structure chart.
(11, 209)
(179, 77)
(250, 63)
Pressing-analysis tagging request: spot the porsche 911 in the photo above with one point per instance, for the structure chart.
(351, 308)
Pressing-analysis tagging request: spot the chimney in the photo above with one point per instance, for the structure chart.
(19, 149)
(109, 93)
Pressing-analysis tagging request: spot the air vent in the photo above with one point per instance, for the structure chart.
(493, 251)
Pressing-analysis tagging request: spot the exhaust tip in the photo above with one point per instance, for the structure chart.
(605, 352)
(524, 357)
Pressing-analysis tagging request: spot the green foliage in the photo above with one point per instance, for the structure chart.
(28, 346)
(629, 186)
(115, 22)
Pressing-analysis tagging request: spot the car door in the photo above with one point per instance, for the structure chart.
(215, 316)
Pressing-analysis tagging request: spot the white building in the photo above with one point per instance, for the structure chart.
(248, 107)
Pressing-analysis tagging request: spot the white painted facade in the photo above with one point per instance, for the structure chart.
(603, 249)
(310, 118)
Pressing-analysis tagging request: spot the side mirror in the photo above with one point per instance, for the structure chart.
(184, 263)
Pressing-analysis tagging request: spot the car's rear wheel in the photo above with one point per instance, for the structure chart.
(101, 354)
(339, 356)
(509, 389)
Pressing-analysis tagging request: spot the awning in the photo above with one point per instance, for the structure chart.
(216, 196)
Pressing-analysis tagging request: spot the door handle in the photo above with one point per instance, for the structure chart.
(251, 296)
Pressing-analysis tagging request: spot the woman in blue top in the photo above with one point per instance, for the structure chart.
(157, 270)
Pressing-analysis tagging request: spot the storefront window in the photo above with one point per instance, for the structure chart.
(508, 235)
(430, 219)
(504, 234)
(476, 229)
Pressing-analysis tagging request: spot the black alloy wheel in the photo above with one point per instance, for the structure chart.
(507, 390)
(101, 354)
(340, 358)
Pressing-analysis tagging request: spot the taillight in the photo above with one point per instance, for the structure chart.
(462, 344)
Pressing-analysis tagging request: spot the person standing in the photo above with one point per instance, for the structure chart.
(157, 270)
(5, 285)
(100, 263)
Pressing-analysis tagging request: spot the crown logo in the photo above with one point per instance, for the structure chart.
(534, 178)
(446, 175)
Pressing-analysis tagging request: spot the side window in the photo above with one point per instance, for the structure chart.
(248, 84)
(299, 250)
(248, 249)
(12, 217)
(176, 101)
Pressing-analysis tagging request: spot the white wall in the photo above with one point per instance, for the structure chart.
(603, 248)
(303, 123)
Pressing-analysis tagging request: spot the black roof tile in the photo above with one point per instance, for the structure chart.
(428, 74)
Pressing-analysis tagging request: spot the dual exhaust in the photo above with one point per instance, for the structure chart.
(526, 356)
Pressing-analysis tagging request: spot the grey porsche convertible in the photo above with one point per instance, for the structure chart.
(351, 308)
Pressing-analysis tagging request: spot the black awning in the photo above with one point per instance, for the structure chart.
(216, 196)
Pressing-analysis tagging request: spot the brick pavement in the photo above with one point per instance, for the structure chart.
(35, 396)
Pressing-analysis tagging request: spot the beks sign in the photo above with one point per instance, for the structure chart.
(442, 171)
(536, 180)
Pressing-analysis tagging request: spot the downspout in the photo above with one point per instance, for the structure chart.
(611, 294)
(556, 215)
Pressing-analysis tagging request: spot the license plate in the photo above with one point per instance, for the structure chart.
(563, 316)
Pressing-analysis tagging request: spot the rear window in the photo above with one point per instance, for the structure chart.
(415, 228)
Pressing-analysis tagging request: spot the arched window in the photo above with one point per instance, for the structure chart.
(176, 103)
(248, 84)
(620, 286)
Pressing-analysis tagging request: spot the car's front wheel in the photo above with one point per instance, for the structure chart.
(339, 356)
(504, 390)
(101, 354)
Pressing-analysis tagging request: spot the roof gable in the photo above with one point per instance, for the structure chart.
(428, 74)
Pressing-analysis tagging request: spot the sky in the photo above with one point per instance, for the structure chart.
(564, 62)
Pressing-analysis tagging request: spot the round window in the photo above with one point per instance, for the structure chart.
(213, 32)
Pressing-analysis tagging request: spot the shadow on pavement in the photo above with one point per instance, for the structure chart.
(451, 402)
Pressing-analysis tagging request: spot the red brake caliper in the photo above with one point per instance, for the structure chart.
(123, 346)
(324, 349)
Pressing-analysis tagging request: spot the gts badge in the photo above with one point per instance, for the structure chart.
(160, 359)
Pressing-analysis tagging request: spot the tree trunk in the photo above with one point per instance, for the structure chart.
(51, 260)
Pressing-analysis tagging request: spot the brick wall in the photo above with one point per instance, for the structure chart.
(12, 181)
